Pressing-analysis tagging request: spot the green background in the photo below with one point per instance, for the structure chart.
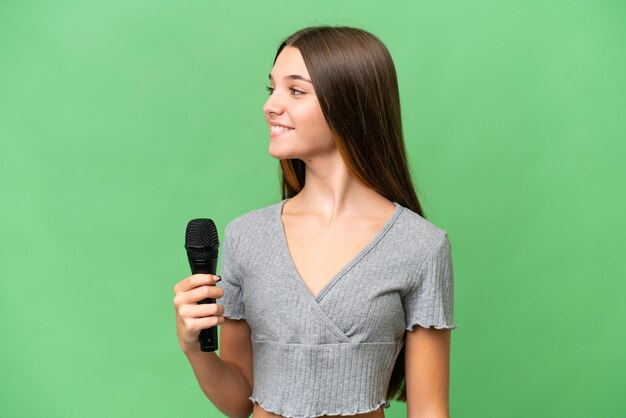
(122, 120)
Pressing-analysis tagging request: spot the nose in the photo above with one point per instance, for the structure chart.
(273, 105)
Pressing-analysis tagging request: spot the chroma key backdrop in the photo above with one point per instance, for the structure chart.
(122, 120)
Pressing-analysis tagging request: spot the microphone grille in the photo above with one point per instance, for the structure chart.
(201, 234)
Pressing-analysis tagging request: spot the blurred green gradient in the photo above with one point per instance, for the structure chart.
(122, 120)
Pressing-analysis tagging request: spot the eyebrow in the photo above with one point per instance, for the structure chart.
(293, 77)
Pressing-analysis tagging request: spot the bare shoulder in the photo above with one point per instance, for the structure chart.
(236, 346)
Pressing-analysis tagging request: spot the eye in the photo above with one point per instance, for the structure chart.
(295, 92)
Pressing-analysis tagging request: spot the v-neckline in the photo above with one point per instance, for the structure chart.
(324, 290)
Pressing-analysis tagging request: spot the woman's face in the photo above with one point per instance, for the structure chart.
(293, 104)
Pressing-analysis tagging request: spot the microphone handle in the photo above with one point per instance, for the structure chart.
(208, 336)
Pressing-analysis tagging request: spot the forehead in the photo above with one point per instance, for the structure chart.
(289, 61)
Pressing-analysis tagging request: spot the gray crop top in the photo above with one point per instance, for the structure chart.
(333, 354)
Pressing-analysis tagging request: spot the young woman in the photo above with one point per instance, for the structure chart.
(339, 297)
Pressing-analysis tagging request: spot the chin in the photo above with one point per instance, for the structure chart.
(278, 154)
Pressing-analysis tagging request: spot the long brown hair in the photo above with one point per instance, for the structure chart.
(355, 80)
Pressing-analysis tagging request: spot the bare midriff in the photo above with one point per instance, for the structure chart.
(259, 412)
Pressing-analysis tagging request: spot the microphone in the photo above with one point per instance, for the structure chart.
(202, 243)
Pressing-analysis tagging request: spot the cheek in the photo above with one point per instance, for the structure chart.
(323, 130)
(313, 119)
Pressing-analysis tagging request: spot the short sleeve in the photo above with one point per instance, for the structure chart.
(430, 302)
(231, 279)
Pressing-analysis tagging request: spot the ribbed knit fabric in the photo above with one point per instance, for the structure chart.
(333, 354)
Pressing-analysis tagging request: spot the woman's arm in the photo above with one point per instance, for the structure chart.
(226, 380)
(223, 383)
(427, 363)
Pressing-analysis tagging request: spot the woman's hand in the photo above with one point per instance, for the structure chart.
(192, 317)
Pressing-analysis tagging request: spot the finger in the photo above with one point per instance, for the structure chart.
(194, 281)
(197, 324)
(220, 292)
(198, 294)
(200, 311)
(191, 282)
(204, 292)
(193, 296)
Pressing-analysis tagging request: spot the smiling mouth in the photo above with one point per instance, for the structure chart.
(279, 129)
